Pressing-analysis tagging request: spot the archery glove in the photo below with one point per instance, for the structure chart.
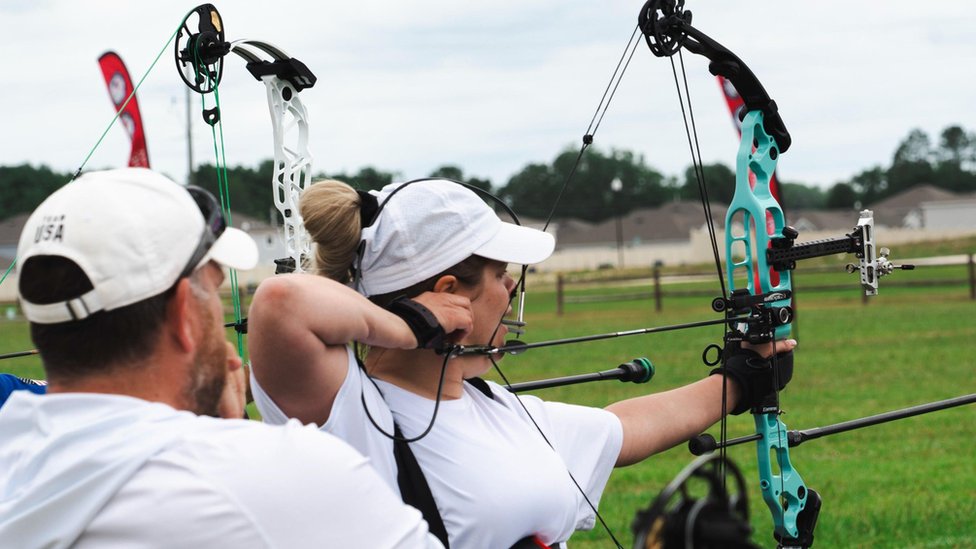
(755, 377)
(420, 320)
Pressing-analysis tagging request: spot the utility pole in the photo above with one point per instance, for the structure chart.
(616, 186)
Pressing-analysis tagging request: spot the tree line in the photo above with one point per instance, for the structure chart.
(948, 162)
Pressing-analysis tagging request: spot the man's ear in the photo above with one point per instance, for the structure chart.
(447, 283)
(180, 320)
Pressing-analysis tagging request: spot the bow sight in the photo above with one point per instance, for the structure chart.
(872, 264)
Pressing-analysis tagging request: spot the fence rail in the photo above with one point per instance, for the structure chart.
(661, 289)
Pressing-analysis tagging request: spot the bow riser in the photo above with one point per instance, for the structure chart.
(284, 77)
(293, 165)
(784, 491)
(748, 235)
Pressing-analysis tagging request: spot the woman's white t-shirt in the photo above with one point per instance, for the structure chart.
(493, 476)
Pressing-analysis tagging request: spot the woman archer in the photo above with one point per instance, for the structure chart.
(404, 270)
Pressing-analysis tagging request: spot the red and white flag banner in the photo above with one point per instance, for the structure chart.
(119, 89)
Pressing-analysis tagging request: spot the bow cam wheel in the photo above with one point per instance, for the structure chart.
(699, 508)
(661, 23)
(200, 54)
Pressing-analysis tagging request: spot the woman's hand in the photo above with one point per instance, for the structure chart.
(765, 350)
(751, 368)
(453, 313)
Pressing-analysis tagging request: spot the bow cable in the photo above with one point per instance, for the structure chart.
(214, 120)
(591, 129)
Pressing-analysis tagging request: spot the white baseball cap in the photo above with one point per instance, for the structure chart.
(134, 233)
(432, 225)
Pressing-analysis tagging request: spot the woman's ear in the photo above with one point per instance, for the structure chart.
(447, 283)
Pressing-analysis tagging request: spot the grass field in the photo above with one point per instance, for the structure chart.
(906, 484)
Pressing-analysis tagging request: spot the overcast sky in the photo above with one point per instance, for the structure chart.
(492, 86)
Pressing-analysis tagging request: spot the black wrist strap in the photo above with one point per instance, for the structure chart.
(743, 367)
(422, 322)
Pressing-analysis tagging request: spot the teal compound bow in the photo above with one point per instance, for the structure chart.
(759, 284)
(751, 281)
(756, 301)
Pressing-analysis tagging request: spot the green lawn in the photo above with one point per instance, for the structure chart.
(906, 484)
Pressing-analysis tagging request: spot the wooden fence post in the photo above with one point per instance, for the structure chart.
(559, 294)
(657, 288)
(972, 278)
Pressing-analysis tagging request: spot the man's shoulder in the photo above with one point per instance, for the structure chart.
(263, 467)
(254, 444)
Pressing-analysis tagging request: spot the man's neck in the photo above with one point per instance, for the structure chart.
(147, 382)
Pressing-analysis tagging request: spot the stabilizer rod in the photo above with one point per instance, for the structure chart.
(706, 443)
(639, 370)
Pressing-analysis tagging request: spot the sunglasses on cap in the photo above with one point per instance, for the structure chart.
(214, 225)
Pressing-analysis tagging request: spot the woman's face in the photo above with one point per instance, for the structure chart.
(490, 302)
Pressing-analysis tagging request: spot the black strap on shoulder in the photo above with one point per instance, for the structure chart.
(414, 488)
(482, 386)
(416, 492)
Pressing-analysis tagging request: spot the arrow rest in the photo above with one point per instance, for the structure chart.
(762, 317)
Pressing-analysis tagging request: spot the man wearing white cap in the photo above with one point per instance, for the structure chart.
(119, 272)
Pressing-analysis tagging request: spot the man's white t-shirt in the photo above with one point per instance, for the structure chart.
(106, 471)
(494, 478)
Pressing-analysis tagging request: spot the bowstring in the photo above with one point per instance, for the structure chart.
(691, 133)
(7, 272)
(223, 183)
(546, 439)
(608, 93)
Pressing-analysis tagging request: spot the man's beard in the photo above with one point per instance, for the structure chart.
(209, 369)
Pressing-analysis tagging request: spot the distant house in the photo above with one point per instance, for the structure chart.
(10, 230)
(671, 233)
(669, 223)
(269, 238)
(956, 213)
(808, 221)
(904, 210)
